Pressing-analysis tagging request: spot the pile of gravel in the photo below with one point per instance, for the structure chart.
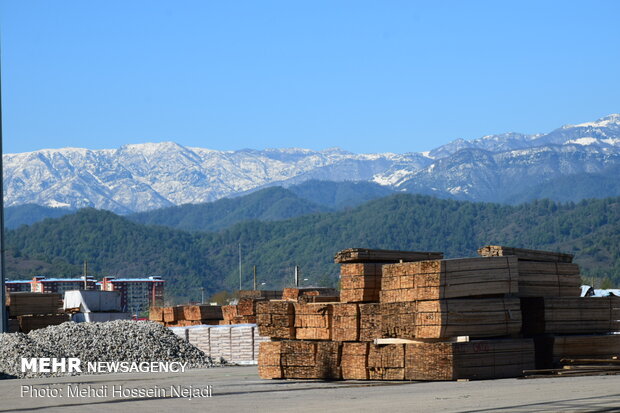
(117, 341)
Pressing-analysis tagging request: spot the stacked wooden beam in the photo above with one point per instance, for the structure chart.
(570, 315)
(265, 294)
(370, 321)
(298, 359)
(398, 320)
(354, 361)
(28, 323)
(172, 315)
(203, 314)
(455, 278)
(313, 321)
(25, 303)
(386, 362)
(603, 346)
(481, 359)
(156, 314)
(276, 319)
(360, 282)
(346, 322)
(294, 294)
(353, 255)
(541, 273)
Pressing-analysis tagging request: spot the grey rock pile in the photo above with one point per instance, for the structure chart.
(116, 341)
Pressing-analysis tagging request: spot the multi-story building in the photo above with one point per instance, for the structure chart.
(14, 286)
(137, 294)
(41, 284)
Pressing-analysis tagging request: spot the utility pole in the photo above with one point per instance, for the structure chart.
(85, 274)
(239, 266)
(202, 300)
(297, 276)
(254, 278)
(4, 321)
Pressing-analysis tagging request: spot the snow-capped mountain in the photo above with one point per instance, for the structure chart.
(153, 175)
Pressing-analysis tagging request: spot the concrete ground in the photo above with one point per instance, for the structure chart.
(238, 389)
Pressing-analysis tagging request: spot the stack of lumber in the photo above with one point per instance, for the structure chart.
(398, 320)
(484, 317)
(156, 314)
(585, 347)
(295, 294)
(361, 255)
(172, 315)
(31, 311)
(346, 322)
(541, 273)
(276, 319)
(266, 294)
(25, 303)
(570, 315)
(244, 312)
(386, 362)
(442, 279)
(298, 359)
(313, 321)
(28, 323)
(481, 359)
(360, 282)
(370, 321)
(203, 314)
(354, 361)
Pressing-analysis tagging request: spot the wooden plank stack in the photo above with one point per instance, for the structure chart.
(298, 293)
(265, 294)
(28, 323)
(276, 319)
(481, 359)
(25, 303)
(313, 321)
(570, 315)
(445, 319)
(541, 273)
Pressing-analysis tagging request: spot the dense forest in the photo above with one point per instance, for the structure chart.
(113, 245)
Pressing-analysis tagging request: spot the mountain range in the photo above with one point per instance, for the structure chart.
(506, 168)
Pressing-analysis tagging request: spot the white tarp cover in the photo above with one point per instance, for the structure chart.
(93, 300)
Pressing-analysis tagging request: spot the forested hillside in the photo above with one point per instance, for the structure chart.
(114, 245)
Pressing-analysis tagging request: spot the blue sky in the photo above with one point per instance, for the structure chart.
(367, 76)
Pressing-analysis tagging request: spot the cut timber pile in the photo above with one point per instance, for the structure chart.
(482, 359)
(570, 315)
(24, 303)
(276, 319)
(28, 323)
(352, 255)
(415, 316)
(370, 321)
(486, 317)
(205, 314)
(541, 273)
(298, 359)
(386, 362)
(346, 322)
(439, 279)
(294, 294)
(524, 254)
(313, 321)
(266, 294)
(173, 314)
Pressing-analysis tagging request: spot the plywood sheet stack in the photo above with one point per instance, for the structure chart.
(313, 321)
(541, 273)
(276, 319)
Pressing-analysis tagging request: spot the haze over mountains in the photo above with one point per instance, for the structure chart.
(569, 163)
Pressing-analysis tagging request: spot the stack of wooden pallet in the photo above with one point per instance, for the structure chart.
(30, 311)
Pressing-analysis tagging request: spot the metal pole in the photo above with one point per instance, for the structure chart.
(296, 276)
(202, 300)
(255, 278)
(4, 321)
(239, 266)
